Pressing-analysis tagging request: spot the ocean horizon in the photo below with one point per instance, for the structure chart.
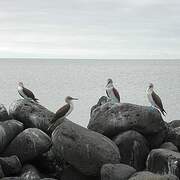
(52, 80)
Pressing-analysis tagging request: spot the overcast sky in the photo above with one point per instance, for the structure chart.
(90, 28)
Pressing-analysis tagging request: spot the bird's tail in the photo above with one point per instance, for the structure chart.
(163, 112)
(36, 100)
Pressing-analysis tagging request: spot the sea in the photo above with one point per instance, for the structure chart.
(52, 80)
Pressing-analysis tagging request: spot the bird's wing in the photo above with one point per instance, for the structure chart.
(29, 93)
(60, 113)
(107, 93)
(116, 94)
(157, 100)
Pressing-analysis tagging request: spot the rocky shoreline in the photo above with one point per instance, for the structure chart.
(122, 142)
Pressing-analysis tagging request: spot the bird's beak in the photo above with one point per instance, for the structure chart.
(75, 98)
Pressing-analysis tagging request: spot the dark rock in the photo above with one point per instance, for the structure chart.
(29, 172)
(155, 140)
(48, 179)
(8, 130)
(29, 144)
(111, 119)
(3, 113)
(31, 114)
(1, 172)
(169, 146)
(174, 136)
(72, 174)
(174, 123)
(146, 175)
(133, 148)
(47, 163)
(12, 178)
(116, 172)
(164, 161)
(86, 150)
(10, 165)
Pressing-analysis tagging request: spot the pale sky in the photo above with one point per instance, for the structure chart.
(102, 29)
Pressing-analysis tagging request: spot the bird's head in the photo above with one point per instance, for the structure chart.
(69, 99)
(151, 86)
(20, 84)
(109, 82)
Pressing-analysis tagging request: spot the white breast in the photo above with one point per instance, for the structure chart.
(20, 90)
(112, 95)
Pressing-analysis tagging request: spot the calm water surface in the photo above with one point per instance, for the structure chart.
(52, 80)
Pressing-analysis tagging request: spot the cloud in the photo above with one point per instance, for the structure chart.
(90, 29)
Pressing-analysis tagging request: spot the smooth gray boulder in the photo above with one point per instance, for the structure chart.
(29, 172)
(84, 149)
(133, 148)
(8, 131)
(116, 172)
(29, 144)
(164, 161)
(112, 118)
(146, 175)
(10, 165)
(169, 146)
(3, 113)
(31, 114)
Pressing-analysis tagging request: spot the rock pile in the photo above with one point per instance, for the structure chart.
(122, 142)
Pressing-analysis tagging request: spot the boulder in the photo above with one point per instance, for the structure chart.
(146, 175)
(31, 114)
(164, 161)
(10, 165)
(116, 172)
(48, 179)
(174, 123)
(112, 118)
(47, 163)
(28, 144)
(84, 149)
(29, 172)
(70, 173)
(8, 131)
(1, 172)
(169, 146)
(12, 178)
(174, 136)
(133, 148)
(3, 113)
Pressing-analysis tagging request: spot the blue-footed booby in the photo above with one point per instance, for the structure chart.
(112, 92)
(26, 93)
(64, 111)
(154, 99)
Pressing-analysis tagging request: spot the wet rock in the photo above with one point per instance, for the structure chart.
(3, 113)
(174, 136)
(116, 172)
(29, 172)
(10, 165)
(164, 161)
(146, 175)
(28, 144)
(169, 146)
(31, 114)
(72, 174)
(86, 150)
(174, 123)
(8, 131)
(111, 119)
(133, 148)
(1, 172)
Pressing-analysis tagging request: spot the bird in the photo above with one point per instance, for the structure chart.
(112, 92)
(26, 93)
(154, 99)
(63, 112)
